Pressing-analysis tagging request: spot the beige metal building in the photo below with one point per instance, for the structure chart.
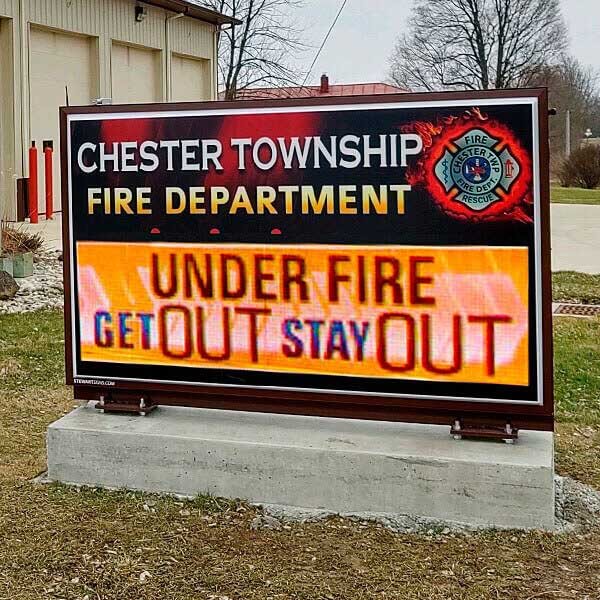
(125, 50)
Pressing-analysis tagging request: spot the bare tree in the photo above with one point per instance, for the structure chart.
(260, 51)
(571, 87)
(477, 44)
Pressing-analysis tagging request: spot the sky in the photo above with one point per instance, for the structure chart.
(363, 39)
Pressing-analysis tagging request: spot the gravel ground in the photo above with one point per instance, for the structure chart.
(43, 290)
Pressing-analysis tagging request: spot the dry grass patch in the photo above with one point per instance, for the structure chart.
(578, 452)
(60, 543)
(10, 367)
(24, 418)
(16, 239)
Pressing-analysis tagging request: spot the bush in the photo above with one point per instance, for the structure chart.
(16, 240)
(582, 168)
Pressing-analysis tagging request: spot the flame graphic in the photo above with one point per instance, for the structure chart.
(439, 136)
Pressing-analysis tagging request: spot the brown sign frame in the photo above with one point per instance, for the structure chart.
(362, 406)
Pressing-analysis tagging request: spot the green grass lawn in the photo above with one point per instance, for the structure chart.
(59, 542)
(580, 288)
(562, 195)
(577, 371)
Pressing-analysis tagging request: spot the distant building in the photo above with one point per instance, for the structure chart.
(325, 89)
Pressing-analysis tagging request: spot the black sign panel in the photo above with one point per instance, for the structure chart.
(379, 252)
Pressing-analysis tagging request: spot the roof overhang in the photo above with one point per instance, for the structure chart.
(194, 11)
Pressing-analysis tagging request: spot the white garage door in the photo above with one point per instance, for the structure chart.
(58, 62)
(135, 74)
(190, 79)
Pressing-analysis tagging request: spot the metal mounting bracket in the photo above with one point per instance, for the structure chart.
(506, 433)
(141, 405)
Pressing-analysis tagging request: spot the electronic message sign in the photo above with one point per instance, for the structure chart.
(378, 257)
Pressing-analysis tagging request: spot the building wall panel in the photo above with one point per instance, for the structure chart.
(8, 8)
(192, 37)
(120, 24)
(115, 19)
(81, 16)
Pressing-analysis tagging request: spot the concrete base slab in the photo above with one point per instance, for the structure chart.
(336, 465)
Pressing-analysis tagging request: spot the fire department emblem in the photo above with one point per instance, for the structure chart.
(476, 171)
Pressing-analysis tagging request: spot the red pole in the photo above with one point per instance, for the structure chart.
(32, 186)
(48, 181)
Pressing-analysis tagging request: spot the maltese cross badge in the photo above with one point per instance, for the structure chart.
(475, 171)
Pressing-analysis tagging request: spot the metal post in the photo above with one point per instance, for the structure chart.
(568, 134)
(32, 192)
(48, 181)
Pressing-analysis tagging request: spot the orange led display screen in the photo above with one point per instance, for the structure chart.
(360, 258)
(454, 315)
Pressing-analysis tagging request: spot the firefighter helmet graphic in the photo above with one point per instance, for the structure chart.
(475, 172)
